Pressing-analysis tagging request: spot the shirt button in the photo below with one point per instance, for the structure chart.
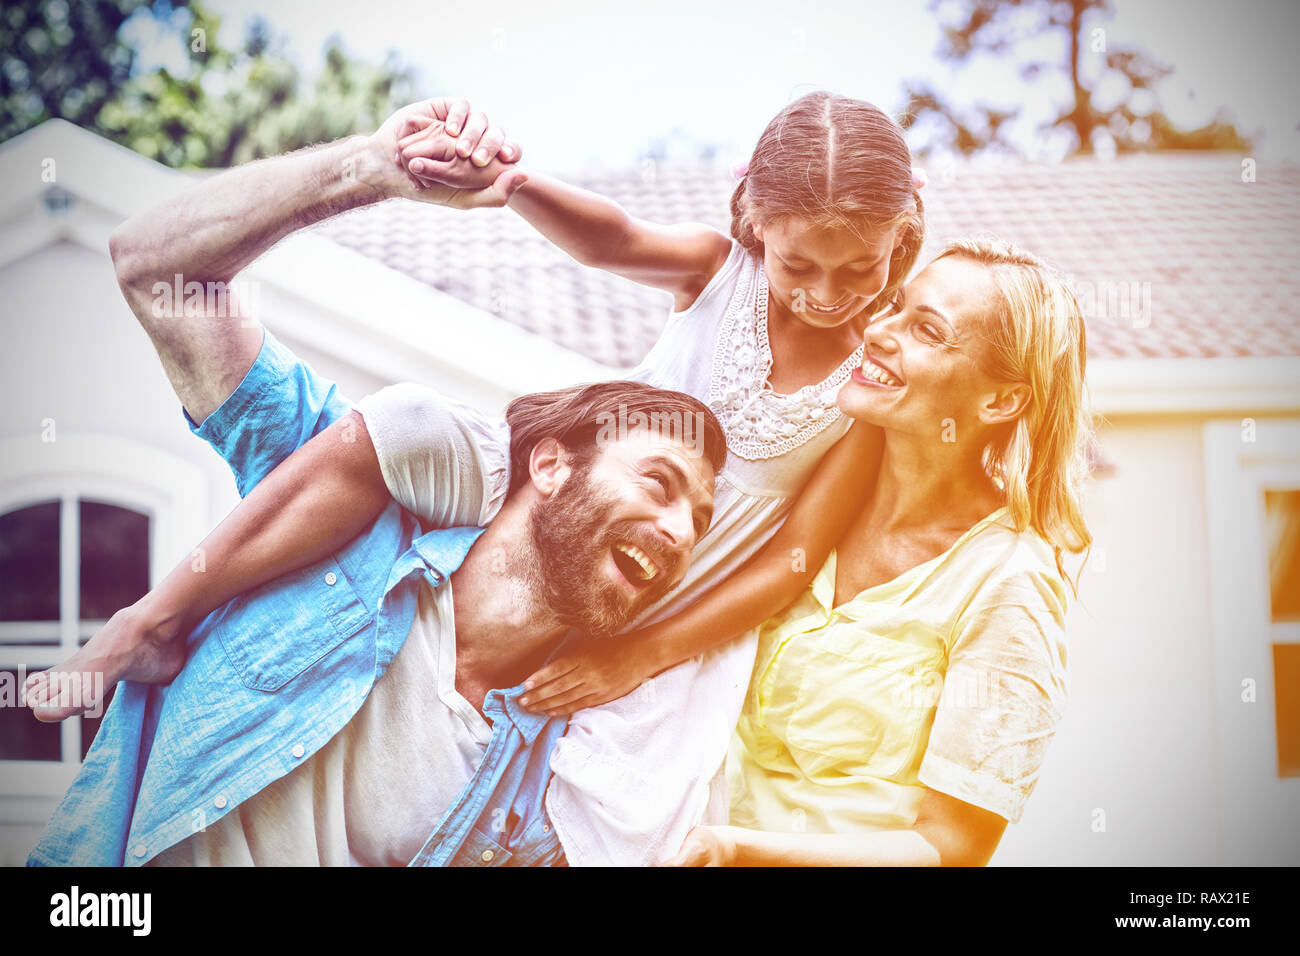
(331, 579)
(220, 802)
(487, 856)
(139, 850)
(299, 750)
(546, 828)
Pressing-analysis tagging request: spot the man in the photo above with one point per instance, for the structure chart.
(347, 711)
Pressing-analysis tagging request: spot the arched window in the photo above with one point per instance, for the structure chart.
(67, 565)
(88, 524)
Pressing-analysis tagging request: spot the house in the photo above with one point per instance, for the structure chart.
(1178, 747)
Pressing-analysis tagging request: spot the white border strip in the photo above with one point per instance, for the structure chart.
(1195, 386)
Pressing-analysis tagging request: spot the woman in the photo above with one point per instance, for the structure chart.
(900, 709)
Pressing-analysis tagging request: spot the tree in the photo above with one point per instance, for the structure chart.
(1001, 28)
(225, 106)
(63, 58)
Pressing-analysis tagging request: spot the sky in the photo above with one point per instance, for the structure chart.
(583, 83)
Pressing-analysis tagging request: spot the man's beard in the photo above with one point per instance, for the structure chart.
(571, 537)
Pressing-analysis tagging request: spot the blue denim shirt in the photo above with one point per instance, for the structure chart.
(276, 673)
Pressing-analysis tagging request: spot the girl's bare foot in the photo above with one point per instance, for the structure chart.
(125, 648)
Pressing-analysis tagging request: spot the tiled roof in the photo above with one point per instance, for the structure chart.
(1172, 255)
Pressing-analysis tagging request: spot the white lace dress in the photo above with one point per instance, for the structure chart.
(633, 776)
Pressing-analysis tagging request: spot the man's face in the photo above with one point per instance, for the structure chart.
(617, 534)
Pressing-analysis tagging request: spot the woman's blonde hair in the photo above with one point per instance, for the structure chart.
(1037, 336)
(836, 162)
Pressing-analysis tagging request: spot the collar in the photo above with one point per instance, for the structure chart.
(505, 704)
(444, 549)
(823, 585)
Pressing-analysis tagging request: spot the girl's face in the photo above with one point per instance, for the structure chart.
(824, 276)
(923, 368)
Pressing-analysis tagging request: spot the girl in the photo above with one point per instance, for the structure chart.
(766, 328)
(826, 223)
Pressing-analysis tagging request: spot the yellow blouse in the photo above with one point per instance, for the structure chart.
(951, 676)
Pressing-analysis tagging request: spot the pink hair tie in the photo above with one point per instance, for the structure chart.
(740, 170)
(919, 178)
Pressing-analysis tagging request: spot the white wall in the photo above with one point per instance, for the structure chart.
(1139, 739)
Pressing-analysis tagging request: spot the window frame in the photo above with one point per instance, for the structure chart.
(1237, 473)
(117, 471)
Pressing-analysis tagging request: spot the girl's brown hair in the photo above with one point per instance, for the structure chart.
(837, 162)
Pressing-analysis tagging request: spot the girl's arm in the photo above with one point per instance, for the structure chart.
(600, 671)
(595, 231)
(598, 232)
(947, 832)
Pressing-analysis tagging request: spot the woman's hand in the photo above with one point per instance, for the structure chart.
(705, 846)
(591, 673)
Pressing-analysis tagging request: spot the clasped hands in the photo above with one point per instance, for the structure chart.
(443, 152)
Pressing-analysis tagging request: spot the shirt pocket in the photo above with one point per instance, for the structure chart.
(276, 632)
(864, 704)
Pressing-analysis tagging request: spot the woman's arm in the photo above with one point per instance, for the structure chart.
(595, 231)
(606, 670)
(947, 832)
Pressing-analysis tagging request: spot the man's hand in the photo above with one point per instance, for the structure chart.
(471, 164)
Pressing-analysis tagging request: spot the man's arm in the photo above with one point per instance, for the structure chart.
(211, 232)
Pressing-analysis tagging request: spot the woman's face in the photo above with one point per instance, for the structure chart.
(924, 360)
(823, 276)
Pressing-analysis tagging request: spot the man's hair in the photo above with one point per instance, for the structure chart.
(581, 416)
